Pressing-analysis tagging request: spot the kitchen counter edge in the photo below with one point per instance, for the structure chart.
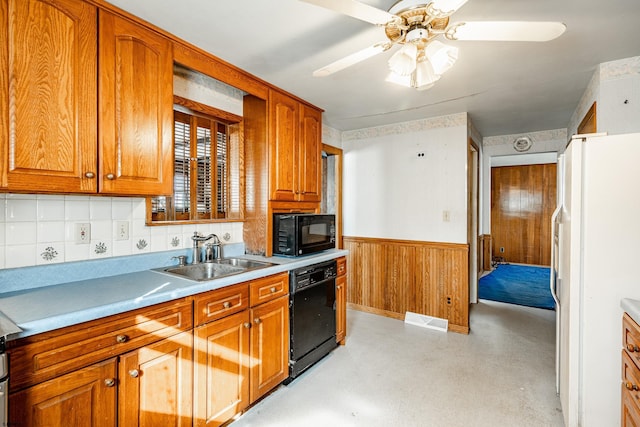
(35, 311)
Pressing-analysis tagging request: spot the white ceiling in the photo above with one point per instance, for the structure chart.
(506, 87)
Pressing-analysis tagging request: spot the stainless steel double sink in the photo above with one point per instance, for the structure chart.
(214, 270)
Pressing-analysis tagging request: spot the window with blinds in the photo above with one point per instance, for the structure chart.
(201, 182)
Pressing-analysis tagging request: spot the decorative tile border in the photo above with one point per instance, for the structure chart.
(331, 136)
(621, 68)
(448, 121)
(541, 136)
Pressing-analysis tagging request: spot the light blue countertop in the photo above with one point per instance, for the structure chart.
(43, 309)
(632, 307)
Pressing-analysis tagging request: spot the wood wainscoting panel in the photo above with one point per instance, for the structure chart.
(391, 277)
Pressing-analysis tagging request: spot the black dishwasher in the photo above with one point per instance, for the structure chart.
(312, 315)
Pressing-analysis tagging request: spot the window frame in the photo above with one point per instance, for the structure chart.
(234, 166)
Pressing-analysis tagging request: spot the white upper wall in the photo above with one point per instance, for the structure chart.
(391, 190)
(615, 86)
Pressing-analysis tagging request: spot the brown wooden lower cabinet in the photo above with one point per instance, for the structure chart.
(122, 375)
(86, 397)
(155, 384)
(221, 356)
(391, 277)
(341, 301)
(630, 390)
(269, 345)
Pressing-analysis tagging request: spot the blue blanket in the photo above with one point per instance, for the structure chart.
(518, 284)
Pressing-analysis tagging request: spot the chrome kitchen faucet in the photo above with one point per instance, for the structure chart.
(197, 239)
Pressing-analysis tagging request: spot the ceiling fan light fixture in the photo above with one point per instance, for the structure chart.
(403, 62)
(425, 76)
(441, 56)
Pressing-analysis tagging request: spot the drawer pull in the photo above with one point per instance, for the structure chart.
(631, 386)
(110, 382)
(122, 339)
(226, 304)
(110, 176)
(247, 325)
(273, 289)
(134, 373)
(632, 348)
(89, 175)
(257, 320)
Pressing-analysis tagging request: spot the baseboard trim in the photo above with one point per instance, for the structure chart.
(453, 328)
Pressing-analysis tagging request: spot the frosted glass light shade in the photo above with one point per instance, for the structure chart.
(425, 77)
(403, 62)
(441, 56)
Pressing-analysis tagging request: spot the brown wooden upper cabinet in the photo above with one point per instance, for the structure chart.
(294, 150)
(67, 128)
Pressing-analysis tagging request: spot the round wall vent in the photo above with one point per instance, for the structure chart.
(522, 144)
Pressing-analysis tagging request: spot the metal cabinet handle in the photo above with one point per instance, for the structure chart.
(122, 338)
(247, 325)
(273, 289)
(134, 373)
(226, 304)
(90, 175)
(110, 382)
(111, 176)
(257, 320)
(632, 348)
(631, 386)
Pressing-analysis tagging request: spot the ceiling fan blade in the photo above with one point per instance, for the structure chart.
(356, 10)
(352, 59)
(522, 31)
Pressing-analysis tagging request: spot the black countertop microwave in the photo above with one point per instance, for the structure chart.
(303, 234)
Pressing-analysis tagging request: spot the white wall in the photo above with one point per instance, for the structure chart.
(615, 86)
(618, 111)
(391, 192)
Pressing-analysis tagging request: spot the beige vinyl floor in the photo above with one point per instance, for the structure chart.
(394, 374)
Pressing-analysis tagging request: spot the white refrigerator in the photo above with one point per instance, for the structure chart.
(595, 263)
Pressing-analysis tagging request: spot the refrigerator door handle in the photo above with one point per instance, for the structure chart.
(555, 242)
(555, 249)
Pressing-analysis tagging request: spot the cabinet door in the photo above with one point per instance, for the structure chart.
(341, 309)
(136, 109)
(48, 61)
(269, 346)
(221, 381)
(84, 398)
(309, 154)
(283, 132)
(156, 384)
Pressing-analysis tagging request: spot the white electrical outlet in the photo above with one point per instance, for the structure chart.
(446, 216)
(122, 230)
(83, 233)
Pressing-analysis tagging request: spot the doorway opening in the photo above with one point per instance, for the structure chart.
(331, 202)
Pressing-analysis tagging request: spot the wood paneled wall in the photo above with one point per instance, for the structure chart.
(391, 277)
(522, 201)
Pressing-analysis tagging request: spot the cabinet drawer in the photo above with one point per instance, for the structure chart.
(630, 374)
(342, 266)
(631, 338)
(268, 288)
(221, 302)
(48, 355)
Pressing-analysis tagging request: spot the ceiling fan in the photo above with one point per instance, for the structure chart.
(415, 24)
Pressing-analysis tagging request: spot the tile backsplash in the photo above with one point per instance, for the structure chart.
(42, 229)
